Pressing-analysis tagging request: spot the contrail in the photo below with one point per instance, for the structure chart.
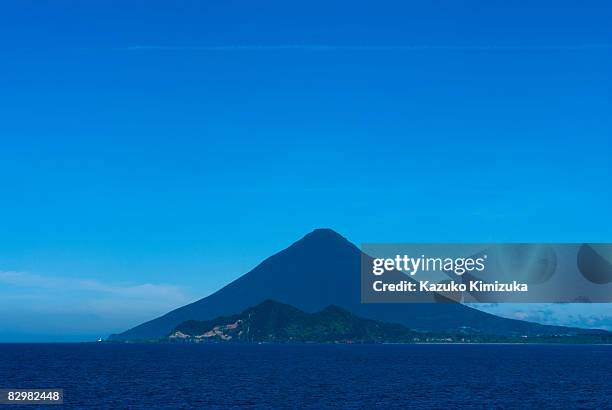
(322, 47)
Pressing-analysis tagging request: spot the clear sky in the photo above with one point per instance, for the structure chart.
(151, 152)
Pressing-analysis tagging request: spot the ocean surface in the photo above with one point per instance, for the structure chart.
(313, 376)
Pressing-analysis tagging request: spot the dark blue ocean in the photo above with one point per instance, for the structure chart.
(313, 376)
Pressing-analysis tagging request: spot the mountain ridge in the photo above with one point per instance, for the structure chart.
(272, 321)
(275, 322)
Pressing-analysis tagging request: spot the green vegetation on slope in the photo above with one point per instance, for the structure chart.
(276, 322)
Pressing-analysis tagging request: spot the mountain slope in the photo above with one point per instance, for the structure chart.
(323, 269)
(272, 321)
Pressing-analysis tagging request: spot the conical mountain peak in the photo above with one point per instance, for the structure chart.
(323, 268)
(323, 234)
(324, 240)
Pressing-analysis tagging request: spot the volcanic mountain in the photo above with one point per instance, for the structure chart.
(323, 269)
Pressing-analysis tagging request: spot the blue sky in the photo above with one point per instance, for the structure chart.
(151, 153)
